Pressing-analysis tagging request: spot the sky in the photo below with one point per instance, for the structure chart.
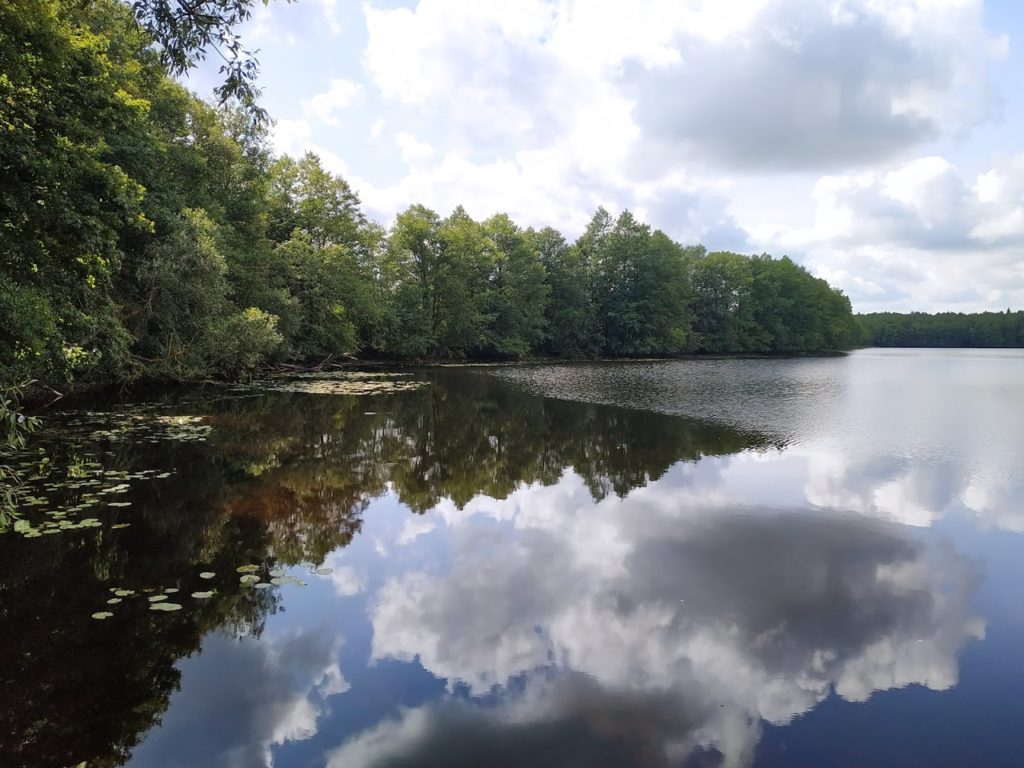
(878, 142)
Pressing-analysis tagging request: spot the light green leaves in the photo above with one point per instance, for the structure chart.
(165, 607)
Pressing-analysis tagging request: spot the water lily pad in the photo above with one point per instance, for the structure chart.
(324, 571)
(207, 575)
(202, 595)
(262, 585)
(157, 598)
(281, 580)
(120, 525)
(119, 504)
(165, 607)
(249, 579)
(170, 590)
(102, 615)
(247, 568)
(124, 592)
(276, 572)
(307, 564)
(114, 601)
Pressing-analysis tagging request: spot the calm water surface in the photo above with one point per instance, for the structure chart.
(696, 563)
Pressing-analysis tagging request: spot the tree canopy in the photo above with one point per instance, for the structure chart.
(945, 329)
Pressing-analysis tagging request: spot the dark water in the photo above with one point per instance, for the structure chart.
(736, 563)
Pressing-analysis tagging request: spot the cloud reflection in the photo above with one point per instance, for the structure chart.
(673, 608)
(238, 700)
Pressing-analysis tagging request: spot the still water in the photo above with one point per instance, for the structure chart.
(695, 563)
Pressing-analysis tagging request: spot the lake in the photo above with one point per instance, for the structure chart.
(807, 562)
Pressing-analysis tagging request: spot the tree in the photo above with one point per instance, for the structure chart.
(518, 291)
(186, 320)
(720, 303)
(187, 32)
(64, 205)
(15, 427)
(639, 288)
(571, 326)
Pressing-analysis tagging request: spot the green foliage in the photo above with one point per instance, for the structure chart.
(187, 32)
(517, 291)
(570, 315)
(15, 427)
(945, 329)
(242, 340)
(640, 288)
(320, 280)
(795, 312)
(64, 204)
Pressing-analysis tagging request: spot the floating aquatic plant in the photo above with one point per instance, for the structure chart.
(165, 607)
(340, 383)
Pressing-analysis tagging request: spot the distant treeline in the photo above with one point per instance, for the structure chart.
(144, 233)
(945, 329)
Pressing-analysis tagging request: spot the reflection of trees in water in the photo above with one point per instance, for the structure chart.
(74, 688)
(313, 462)
(283, 477)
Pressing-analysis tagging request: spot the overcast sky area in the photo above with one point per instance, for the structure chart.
(878, 142)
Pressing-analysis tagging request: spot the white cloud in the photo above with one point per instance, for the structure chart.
(377, 128)
(329, 9)
(922, 233)
(289, 137)
(414, 152)
(325, 106)
(345, 579)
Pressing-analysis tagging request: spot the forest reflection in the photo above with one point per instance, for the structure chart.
(283, 478)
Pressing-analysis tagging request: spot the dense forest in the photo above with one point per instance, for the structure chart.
(945, 329)
(145, 233)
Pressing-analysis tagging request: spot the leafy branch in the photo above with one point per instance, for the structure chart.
(15, 427)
